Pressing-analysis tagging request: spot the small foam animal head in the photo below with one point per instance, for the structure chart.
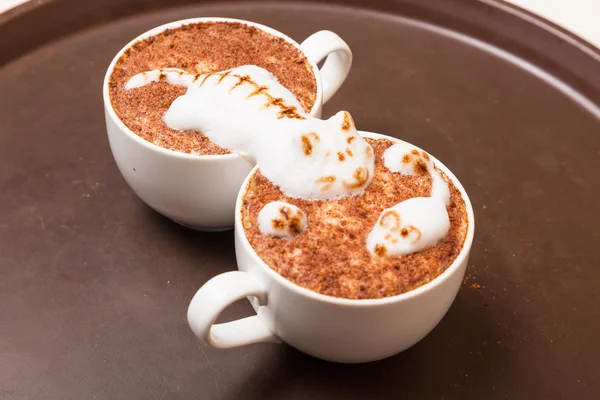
(281, 219)
(409, 226)
(407, 159)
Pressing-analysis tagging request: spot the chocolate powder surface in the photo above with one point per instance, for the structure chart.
(331, 256)
(198, 49)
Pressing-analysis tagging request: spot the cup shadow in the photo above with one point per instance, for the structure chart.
(445, 364)
(448, 363)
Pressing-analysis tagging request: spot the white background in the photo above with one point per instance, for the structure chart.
(579, 16)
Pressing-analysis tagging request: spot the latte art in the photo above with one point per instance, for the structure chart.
(396, 235)
(417, 223)
(246, 109)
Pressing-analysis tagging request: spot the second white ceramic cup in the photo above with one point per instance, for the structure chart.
(200, 191)
(326, 327)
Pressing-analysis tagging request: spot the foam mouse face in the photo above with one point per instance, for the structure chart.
(407, 159)
(281, 219)
(409, 226)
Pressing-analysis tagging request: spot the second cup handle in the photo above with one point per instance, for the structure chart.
(337, 65)
(214, 297)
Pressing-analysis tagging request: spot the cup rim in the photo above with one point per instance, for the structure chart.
(340, 301)
(110, 111)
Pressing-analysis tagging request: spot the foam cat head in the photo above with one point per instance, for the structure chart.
(316, 159)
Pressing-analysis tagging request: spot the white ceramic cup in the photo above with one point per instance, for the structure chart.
(200, 191)
(326, 327)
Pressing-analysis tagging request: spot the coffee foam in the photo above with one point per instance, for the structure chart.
(223, 105)
(316, 159)
(281, 219)
(409, 226)
(247, 110)
(417, 223)
(407, 159)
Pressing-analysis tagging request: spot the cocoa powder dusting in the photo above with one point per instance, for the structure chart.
(198, 49)
(331, 257)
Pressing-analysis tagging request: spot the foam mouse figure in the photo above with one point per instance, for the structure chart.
(416, 223)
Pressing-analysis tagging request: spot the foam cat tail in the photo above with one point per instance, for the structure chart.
(174, 76)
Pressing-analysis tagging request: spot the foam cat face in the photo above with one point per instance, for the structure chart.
(347, 158)
(317, 159)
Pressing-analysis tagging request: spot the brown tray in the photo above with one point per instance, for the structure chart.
(94, 286)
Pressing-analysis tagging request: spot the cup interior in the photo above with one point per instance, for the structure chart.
(463, 254)
(176, 24)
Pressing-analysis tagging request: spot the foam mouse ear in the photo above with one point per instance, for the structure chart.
(343, 120)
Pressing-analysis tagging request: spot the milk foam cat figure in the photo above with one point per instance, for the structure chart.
(247, 110)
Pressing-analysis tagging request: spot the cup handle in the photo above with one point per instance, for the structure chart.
(337, 65)
(215, 296)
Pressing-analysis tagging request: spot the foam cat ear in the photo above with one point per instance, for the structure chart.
(343, 120)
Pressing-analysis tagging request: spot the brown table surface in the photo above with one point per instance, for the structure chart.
(94, 286)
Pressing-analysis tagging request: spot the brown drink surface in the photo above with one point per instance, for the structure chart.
(198, 49)
(331, 256)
